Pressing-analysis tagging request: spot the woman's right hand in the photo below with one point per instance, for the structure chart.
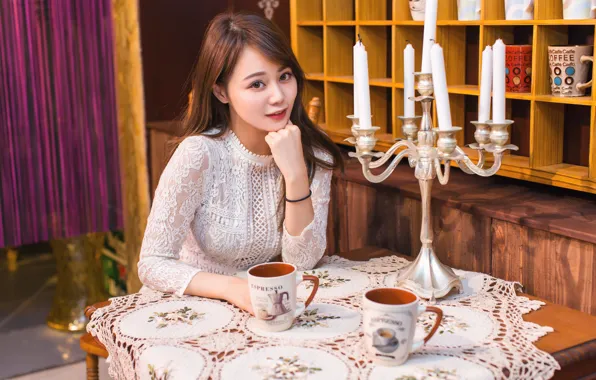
(238, 294)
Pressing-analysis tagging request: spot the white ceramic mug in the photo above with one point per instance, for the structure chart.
(519, 9)
(272, 289)
(468, 10)
(578, 9)
(389, 323)
(417, 8)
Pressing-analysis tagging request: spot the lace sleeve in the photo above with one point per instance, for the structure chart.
(306, 250)
(176, 200)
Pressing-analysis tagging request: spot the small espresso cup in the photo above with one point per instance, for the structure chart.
(518, 68)
(519, 9)
(578, 9)
(468, 10)
(272, 289)
(389, 323)
(570, 68)
(417, 8)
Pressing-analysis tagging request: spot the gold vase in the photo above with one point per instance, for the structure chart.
(80, 281)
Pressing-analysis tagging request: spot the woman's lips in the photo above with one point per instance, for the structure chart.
(278, 116)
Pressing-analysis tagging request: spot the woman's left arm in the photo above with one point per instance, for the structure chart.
(305, 222)
(305, 225)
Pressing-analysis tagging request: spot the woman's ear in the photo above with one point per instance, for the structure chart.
(220, 93)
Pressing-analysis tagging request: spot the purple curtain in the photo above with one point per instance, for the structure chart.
(59, 165)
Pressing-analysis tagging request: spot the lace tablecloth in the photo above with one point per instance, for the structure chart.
(152, 335)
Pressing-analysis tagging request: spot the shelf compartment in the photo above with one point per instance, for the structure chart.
(339, 10)
(339, 103)
(339, 55)
(309, 10)
(556, 35)
(470, 111)
(576, 135)
(312, 89)
(547, 134)
(380, 108)
(374, 10)
(401, 11)
(403, 35)
(377, 40)
(520, 112)
(310, 48)
(454, 41)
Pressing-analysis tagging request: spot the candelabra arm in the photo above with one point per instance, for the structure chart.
(469, 164)
(400, 144)
(479, 165)
(365, 161)
(443, 178)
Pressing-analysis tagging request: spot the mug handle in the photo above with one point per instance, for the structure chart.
(583, 86)
(306, 277)
(431, 309)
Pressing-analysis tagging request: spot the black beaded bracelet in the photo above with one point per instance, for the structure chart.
(301, 199)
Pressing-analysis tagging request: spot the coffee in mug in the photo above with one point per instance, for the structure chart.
(570, 67)
(389, 323)
(272, 289)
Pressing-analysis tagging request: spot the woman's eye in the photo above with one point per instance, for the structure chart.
(257, 84)
(286, 76)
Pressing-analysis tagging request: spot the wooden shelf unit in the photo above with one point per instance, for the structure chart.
(557, 136)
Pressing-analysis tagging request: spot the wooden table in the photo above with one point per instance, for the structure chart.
(572, 344)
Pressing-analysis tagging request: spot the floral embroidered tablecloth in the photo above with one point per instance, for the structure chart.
(151, 335)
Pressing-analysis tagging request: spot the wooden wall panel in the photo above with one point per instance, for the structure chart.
(462, 240)
(509, 242)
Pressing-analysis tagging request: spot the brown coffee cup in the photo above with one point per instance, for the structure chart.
(273, 294)
(389, 322)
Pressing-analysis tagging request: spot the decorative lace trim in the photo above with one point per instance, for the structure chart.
(253, 157)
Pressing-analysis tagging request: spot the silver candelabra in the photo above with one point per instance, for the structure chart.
(427, 276)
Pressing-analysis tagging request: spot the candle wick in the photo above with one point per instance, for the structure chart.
(359, 38)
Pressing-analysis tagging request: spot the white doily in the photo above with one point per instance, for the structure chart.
(483, 336)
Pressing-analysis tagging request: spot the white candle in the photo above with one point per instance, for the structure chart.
(408, 81)
(361, 85)
(440, 86)
(499, 81)
(486, 82)
(356, 71)
(430, 31)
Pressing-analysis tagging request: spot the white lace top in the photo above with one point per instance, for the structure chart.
(216, 209)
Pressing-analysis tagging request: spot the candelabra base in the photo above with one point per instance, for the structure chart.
(428, 278)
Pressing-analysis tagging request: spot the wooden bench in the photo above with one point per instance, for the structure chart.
(572, 344)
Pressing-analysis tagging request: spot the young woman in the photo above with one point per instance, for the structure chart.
(250, 179)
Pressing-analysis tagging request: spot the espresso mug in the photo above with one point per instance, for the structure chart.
(417, 8)
(519, 9)
(570, 67)
(272, 289)
(578, 9)
(518, 68)
(468, 10)
(389, 323)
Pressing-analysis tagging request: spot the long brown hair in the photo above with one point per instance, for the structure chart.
(225, 38)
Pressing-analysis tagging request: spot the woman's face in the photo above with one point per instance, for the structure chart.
(259, 92)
